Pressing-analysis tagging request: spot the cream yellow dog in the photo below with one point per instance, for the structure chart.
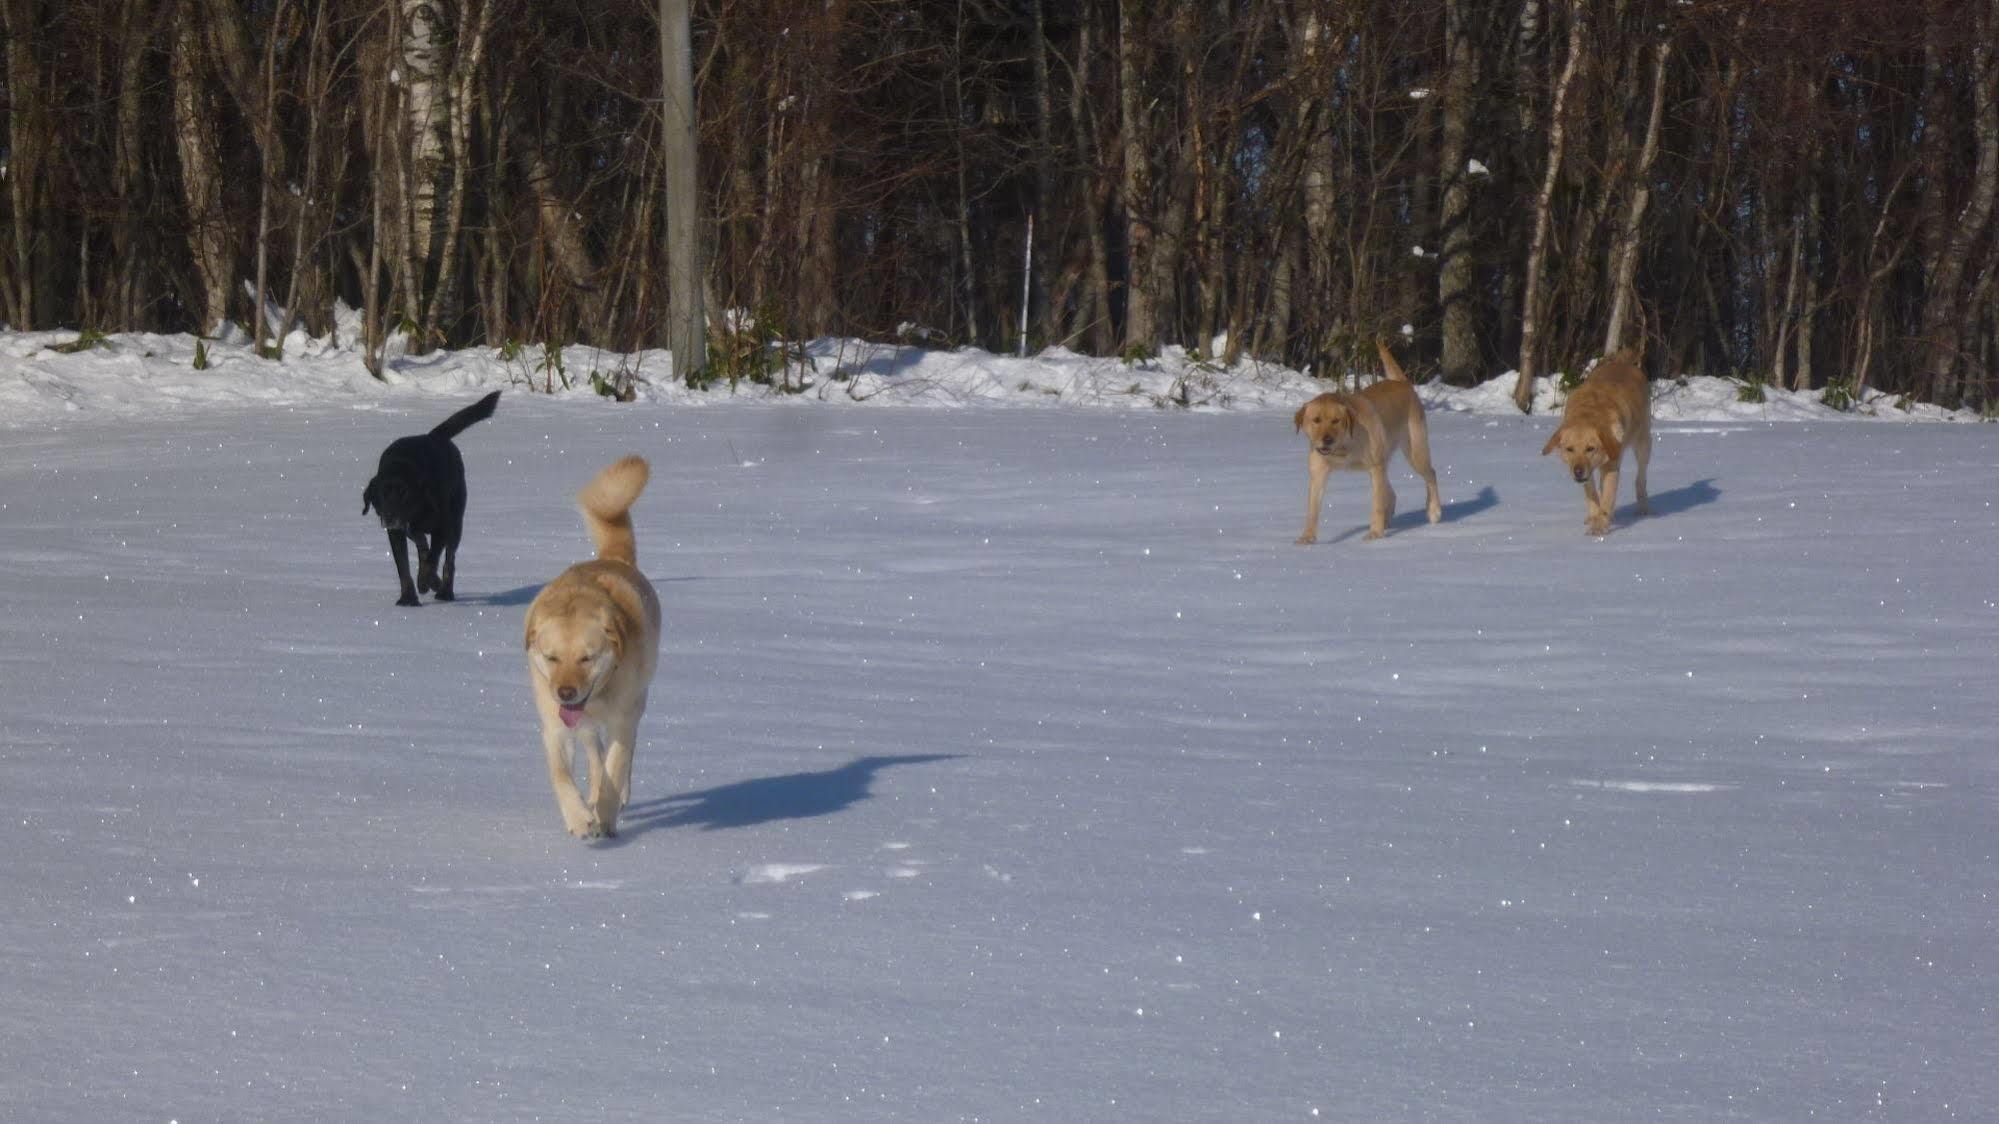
(1609, 413)
(592, 641)
(1362, 431)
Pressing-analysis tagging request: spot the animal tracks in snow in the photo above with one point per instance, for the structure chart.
(900, 867)
(766, 873)
(1675, 787)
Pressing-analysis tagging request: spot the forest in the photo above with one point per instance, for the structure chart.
(1797, 192)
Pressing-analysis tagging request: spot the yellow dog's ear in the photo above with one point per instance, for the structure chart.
(1617, 430)
(1554, 439)
(614, 631)
(1298, 419)
(527, 637)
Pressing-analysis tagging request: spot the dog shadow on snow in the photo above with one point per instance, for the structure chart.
(1486, 499)
(519, 595)
(793, 796)
(1679, 499)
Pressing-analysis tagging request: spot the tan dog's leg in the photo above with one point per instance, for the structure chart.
(614, 788)
(1384, 501)
(1419, 459)
(593, 752)
(1317, 467)
(1642, 451)
(1606, 503)
(577, 818)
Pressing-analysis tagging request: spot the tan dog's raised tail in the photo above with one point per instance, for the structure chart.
(1362, 431)
(592, 641)
(1609, 413)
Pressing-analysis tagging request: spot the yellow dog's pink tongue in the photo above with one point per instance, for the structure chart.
(571, 715)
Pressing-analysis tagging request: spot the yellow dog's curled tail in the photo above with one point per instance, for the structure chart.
(607, 504)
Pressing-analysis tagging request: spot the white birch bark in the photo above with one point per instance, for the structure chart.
(1537, 251)
(1626, 266)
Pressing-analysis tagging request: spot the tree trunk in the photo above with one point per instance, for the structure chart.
(967, 270)
(1943, 310)
(25, 142)
(306, 208)
(128, 173)
(1141, 310)
(1625, 270)
(1044, 179)
(268, 172)
(371, 280)
(473, 26)
(425, 96)
(1537, 252)
(1093, 195)
(200, 175)
(1455, 265)
(687, 325)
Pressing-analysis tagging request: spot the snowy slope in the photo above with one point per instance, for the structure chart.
(1005, 764)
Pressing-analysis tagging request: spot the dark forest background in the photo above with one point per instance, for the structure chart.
(1793, 190)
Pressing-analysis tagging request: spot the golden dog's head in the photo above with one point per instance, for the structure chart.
(1585, 448)
(1328, 424)
(573, 647)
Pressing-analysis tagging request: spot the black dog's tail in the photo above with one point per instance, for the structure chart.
(464, 419)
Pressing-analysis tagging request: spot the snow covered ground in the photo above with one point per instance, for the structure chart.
(1004, 764)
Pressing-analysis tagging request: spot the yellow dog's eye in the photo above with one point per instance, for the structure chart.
(584, 658)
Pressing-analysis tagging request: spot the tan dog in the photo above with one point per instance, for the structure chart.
(592, 640)
(1362, 431)
(1609, 413)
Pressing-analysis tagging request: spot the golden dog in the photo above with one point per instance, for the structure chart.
(1609, 413)
(592, 639)
(1362, 431)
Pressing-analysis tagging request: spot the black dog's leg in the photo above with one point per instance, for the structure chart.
(426, 561)
(398, 551)
(447, 549)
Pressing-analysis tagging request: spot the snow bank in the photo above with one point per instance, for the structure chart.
(140, 374)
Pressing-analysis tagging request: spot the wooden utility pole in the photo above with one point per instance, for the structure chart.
(687, 325)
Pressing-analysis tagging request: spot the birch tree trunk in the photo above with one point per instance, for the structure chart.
(1454, 267)
(371, 281)
(473, 27)
(424, 96)
(200, 174)
(1625, 269)
(1537, 251)
(268, 173)
(1943, 309)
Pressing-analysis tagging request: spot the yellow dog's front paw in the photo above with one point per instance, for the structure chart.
(1306, 539)
(1597, 525)
(588, 827)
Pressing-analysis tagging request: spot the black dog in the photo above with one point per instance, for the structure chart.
(419, 492)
